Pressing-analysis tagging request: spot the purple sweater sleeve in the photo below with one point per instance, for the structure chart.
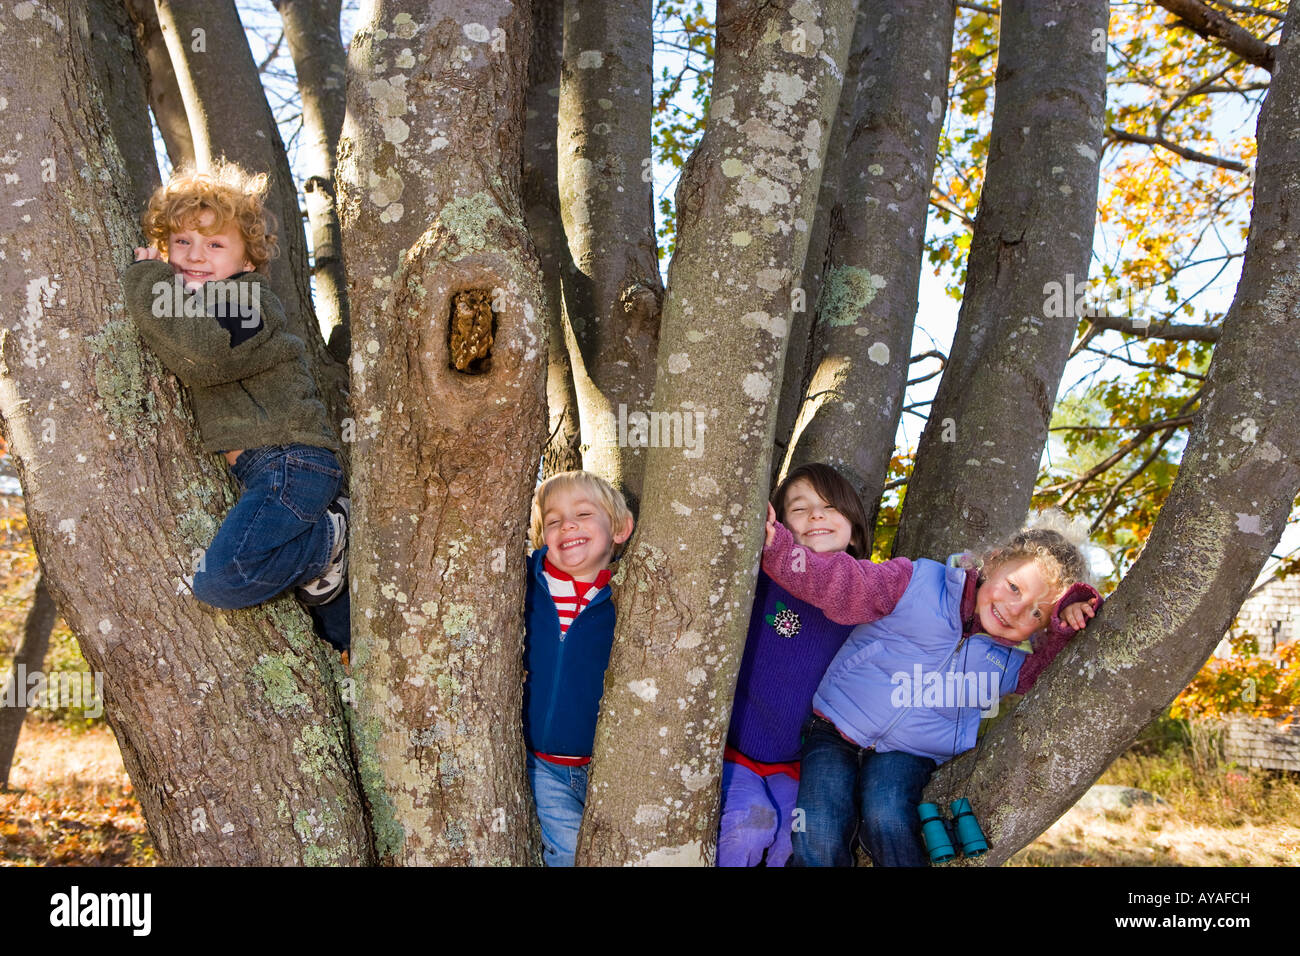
(1055, 637)
(847, 590)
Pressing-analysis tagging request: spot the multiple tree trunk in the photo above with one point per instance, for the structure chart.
(979, 454)
(612, 294)
(312, 29)
(240, 729)
(682, 616)
(860, 348)
(1236, 485)
(230, 723)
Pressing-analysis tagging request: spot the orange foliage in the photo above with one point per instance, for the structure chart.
(1247, 684)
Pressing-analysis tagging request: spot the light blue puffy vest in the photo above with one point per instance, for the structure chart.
(908, 682)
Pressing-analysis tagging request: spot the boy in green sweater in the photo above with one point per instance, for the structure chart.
(198, 300)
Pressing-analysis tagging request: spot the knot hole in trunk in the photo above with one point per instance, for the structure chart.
(473, 326)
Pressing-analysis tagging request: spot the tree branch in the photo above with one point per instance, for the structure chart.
(966, 220)
(1149, 426)
(1111, 498)
(931, 353)
(1126, 137)
(1213, 25)
(1170, 331)
(1248, 10)
(1157, 366)
(271, 54)
(1144, 432)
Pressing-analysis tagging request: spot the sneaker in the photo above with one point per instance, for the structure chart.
(335, 578)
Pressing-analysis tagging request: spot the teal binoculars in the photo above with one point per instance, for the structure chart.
(939, 837)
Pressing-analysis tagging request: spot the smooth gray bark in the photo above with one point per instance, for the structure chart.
(612, 297)
(1223, 518)
(863, 332)
(122, 71)
(685, 587)
(541, 194)
(978, 456)
(312, 29)
(164, 93)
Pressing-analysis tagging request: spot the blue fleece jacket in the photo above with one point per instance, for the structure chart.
(565, 673)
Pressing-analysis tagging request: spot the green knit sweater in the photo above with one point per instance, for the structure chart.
(260, 392)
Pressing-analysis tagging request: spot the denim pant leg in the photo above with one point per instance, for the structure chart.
(334, 621)
(828, 777)
(784, 793)
(559, 793)
(890, 789)
(749, 819)
(277, 535)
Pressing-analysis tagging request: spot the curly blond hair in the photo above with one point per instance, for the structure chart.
(1055, 542)
(230, 193)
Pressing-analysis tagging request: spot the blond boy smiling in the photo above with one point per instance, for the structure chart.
(579, 521)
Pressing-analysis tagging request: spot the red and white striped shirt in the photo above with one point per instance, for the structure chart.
(569, 594)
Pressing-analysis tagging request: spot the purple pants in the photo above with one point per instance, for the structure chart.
(757, 813)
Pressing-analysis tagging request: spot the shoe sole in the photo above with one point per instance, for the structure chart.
(325, 597)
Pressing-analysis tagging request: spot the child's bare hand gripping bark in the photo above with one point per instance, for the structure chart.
(1079, 613)
(769, 531)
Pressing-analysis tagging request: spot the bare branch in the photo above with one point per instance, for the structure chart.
(1148, 426)
(980, 8)
(947, 206)
(271, 54)
(1248, 10)
(1144, 432)
(924, 378)
(1169, 331)
(1214, 25)
(1111, 498)
(1157, 366)
(1126, 137)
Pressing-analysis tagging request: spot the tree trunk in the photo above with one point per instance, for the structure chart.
(1228, 507)
(613, 297)
(164, 92)
(28, 660)
(686, 585)
(803, 307)
(541, 194)
(863, 332)
(230, 722)
(978, 456)
(229, 116)
(312, 29)
(115, 46)
(449, 374)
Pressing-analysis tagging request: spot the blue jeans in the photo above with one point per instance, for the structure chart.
(756, 817)
(845, 791)
(560, 793)
(277, 535)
